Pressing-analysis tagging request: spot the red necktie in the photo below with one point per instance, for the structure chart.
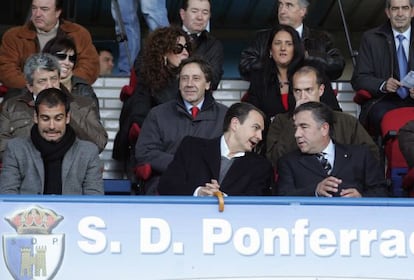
(194, 111)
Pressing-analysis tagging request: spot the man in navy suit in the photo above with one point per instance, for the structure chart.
(323, 167)
(202, 167)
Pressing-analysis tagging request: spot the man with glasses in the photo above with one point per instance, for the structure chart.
(42, 71)
(18, 43)
(319, 47)
(195, 113)
(385, 53)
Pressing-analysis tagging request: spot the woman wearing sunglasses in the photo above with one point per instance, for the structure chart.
(157, 77)
(64, 49)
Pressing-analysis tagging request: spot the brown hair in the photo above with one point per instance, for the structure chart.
(155, 73)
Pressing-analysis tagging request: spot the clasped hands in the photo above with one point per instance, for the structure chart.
(209, 188)
(330, 185)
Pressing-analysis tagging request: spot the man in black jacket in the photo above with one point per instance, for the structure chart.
(202, 166)
(319, 47)
(378, 70)
(195, 15)
(323, 167)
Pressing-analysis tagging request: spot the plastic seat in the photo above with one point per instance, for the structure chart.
(396, 164)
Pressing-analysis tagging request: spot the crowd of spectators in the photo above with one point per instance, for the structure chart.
(289, 136)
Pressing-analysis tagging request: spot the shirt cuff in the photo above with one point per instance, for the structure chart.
(382, 87)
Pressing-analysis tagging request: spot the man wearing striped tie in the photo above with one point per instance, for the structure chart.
(384, 59)
(323, 167)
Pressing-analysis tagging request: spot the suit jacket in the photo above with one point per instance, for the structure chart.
(197, 162)
(300, 173)
(377, 59)
(23, 169)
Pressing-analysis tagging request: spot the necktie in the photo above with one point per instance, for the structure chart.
(324, 162)
(193, 37)
(194, 111)
(403, 66)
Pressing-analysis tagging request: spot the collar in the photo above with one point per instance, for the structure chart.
(54, 29)
(188, 106)
(189, 33)
(300, 30)
(406, 33)
(330, 152)
(225, 151)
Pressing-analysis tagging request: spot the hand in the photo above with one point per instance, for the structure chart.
(209, 188)
(328, 186)
(391, 85)
(411, 93)
(350, 192)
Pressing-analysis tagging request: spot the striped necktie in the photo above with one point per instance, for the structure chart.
(324, 162)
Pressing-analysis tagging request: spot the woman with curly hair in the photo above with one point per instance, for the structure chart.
(157, 76)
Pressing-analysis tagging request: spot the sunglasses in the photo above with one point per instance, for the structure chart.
(180, 47)
(63, 56)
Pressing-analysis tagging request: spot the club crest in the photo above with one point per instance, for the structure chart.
(33, 252)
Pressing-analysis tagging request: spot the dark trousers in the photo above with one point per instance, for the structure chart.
(374, 110)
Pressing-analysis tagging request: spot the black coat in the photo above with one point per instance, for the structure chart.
(377, 59)
(211, 49)
(197, 162)
(318, 44)
(300, 173)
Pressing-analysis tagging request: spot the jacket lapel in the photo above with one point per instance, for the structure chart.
(310, 162)
(38, 163)
(342, 157)
(68, 160)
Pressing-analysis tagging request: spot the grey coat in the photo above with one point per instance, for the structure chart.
(167, 124)
(23, 169)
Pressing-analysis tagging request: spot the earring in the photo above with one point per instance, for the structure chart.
(165, 60)
(270, 55)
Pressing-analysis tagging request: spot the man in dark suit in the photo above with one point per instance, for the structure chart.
(202, 167)
(379, 69)
(322, 167)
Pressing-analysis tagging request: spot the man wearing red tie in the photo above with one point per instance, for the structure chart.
(194, 113)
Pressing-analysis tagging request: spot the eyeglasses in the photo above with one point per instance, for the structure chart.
(180, 47)
(63, 56)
